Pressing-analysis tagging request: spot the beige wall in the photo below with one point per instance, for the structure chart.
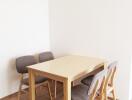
(24, 29)
(100, 28)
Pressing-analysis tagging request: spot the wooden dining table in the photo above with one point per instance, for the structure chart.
(63, 69)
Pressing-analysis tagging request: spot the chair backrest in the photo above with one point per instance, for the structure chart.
(102, 79)
(45, 56)
(113, 68)
(98, 82)
(23, 62)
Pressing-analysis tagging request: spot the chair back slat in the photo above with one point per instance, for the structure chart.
(45, 56)
(99, 77)
(108, 78)
(92, 96)
(113, 68)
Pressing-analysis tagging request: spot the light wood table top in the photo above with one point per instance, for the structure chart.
(69, 66)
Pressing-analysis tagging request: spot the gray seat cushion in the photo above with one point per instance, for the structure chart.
(88, 80)
(80, 92)
(38, 79)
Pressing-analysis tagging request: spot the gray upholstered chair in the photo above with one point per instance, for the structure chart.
(45, 56)
(91, 92)
(21, 66)
(109, 87)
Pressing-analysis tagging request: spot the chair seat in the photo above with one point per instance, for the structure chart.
(88, 80)
(80, 92)
(38, 79)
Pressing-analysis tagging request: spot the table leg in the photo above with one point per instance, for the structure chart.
(31, 85)
(67, 90)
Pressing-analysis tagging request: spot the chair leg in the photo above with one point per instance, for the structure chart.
(55, 88)
(104, 96)
(20, 87)
(36, 92)
(52, 81)
(49, 90)
(113, 93)
(19, 92)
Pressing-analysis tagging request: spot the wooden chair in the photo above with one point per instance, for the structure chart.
(109, 87)
(92, 92)
(47, 56)
(109, 82)
(21, 64)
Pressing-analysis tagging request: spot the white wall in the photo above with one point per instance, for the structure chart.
(24, 29)
(100, 28)
(130, 90)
